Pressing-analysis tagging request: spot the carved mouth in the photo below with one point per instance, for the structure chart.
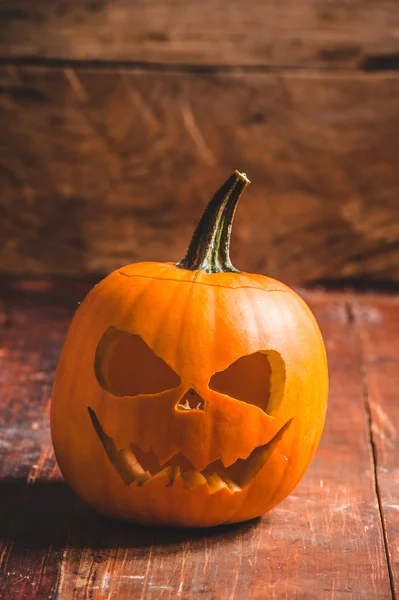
(139, 468)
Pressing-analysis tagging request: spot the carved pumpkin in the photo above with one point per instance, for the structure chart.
(190, 394)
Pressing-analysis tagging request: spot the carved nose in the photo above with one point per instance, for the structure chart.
(191, 400)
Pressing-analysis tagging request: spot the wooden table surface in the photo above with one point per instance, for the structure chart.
(336, 536)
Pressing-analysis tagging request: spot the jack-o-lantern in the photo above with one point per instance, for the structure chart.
(190, 394)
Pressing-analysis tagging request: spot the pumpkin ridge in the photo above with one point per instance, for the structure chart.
(208, 283)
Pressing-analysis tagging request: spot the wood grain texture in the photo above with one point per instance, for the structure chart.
(377, 324)
(323, 542)
(34, 505)
(103, 168)
(310, 33)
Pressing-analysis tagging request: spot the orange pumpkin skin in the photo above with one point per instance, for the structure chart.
(199, 324)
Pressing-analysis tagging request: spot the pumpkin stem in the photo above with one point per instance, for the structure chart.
(209, 249)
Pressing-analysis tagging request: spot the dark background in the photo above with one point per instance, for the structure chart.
(119, 119)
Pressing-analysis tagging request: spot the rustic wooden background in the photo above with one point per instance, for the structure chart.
(118, 120)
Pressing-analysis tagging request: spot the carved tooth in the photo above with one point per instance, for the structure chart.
(167, 472)
(123, 464)
(257, 459)
(193, 479)
(175, 472)
(132, 465)
(215, 482)
(130, 460)
(233, 487)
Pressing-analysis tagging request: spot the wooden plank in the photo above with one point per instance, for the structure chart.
(103, 168)
(324, 541)
(311, 33)
(35, 503)
(377, 322)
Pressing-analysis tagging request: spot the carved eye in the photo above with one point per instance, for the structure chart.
(256, 379)
(125, 366)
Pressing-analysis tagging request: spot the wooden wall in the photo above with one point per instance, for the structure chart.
(119, 119)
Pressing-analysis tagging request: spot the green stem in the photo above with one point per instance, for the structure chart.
(209, 249)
